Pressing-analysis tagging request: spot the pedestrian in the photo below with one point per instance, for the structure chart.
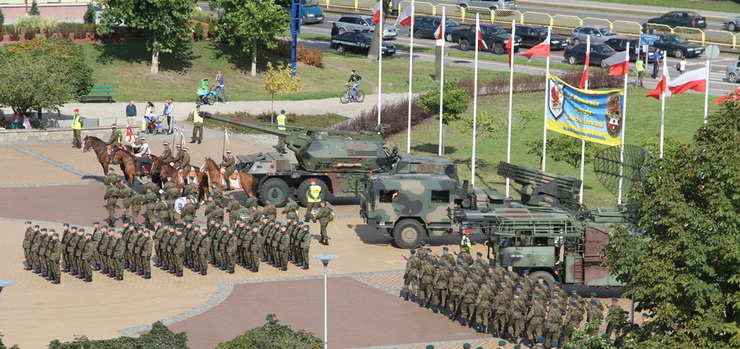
(640, 67)
(169, 113)
(76, 129)
(313, 196)
(281, 119)
(334, 29)
(130, 113)
(657, 61)
(197, 126)
(325, 215)
(220, 88)
(681, 65)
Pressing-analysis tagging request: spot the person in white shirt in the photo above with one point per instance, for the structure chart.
(142, 148)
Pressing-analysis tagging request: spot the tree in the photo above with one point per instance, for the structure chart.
(164, 22)
(491, 125)
(44, 74)
(160, 337)
(456, 100)
(34, 11)
(249, 24)
(273, 335)
(278, 81)
(683, 267)
(564, 149)
(373, 53)
(2, 20)
(89, 16)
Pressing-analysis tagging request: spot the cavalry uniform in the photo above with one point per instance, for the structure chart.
(229, 165)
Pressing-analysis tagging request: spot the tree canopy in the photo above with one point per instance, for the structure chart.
(683, 267)
(164, 22)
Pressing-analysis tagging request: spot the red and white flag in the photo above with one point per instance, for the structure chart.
(479, 35)
(730, 97)
(541, 49)
(584, 76)
(406, 18)
(440, 32)
(619, 63)
(377, 10)
(694, 80)
(510, 44)
(662, 88)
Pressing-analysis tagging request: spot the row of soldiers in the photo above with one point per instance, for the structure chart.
(497, 300)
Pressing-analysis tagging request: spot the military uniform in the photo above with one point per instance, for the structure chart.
(283, 246)
(188, 212)
(411, 275)
(483, 306)
(119, 250)
(305, 244)
(553, 323)
(204, 245)
(230, 245)
(467, 304)
(313, 197)
(325, 215)
(228, 164)
(291, 209)
(111, 197)
(536, 318)
(254, 248)
(616, 318)
(55, 253)
(135, 207)
(27, 246)
(270, 211)
(572, 320)
(457, 282)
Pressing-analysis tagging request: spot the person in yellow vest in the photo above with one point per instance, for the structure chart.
(197, 126)
(640, 67)
(281, 119)
(465, 240)
(77, 130)
(313, 196)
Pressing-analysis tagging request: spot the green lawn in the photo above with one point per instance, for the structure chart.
(729, 6)
(683, 117)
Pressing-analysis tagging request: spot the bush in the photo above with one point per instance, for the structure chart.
(14, 34)
(274, 335)
(394, 113)
(309, 56)
(89, 16)
(160, 337)
(34, 11)
(49, 33)
(37, 23)
(80, 33)
(30, 34)
(203, 16)
(199, 31)
(64, 32)
(2, 20)
(456, 101)
(531, 83)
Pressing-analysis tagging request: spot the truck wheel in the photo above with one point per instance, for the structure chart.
(275, 190)
(303, 191)
(498, 49)
(407, 233)
(548, 278)
(464, 45)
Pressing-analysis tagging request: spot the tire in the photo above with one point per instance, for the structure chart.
(360, 96)
(211, 101)
(340, 48)
(603, 64)
(342, 30)
(576, 41)
(678, 53)
(275, 190)
(463, 6)
(344, 97)
(732, 77)
(418, 34)
(303, 191)
(407, 233)
(732, 27)
(464, 45)
(498, 49)
(448, 37)
(572, 60)
(548, 278)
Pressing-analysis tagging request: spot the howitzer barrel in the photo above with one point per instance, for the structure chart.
(271, 129)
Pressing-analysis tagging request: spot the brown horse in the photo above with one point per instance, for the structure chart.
(246, 180)
(164, 170)
(97, 145)
(121, 156)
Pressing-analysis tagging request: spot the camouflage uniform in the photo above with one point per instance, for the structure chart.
(305, 244)
(411, 276)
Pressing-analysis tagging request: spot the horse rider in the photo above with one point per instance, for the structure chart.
(141, 148)
(115, 137)
(167, 153)
(228, 165)
(178, 155)
(183, 164)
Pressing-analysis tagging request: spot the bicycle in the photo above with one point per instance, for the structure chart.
(346, 96)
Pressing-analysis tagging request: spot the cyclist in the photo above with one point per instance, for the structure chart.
(356, 80)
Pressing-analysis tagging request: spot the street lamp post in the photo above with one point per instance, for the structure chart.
(325, 258)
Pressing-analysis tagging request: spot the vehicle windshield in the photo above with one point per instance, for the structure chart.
(677, 39)
(607, 32)
(602, 49)
(309, 3)
(493, 30)
(452, 23)
(541, 31)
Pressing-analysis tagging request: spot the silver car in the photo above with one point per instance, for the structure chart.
(598, 34)
(352, 23)
(733, 71)
(489, 4)
(732, 24)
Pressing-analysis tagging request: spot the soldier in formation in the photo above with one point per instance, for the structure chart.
(495, 299)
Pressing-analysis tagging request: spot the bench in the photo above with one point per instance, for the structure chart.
(99, 92)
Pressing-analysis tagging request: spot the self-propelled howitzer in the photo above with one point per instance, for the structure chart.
(339, 160)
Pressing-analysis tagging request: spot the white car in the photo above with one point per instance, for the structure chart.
(360, 23)
(732, 24)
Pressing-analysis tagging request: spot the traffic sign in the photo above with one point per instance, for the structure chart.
(648, 39)
(712, 51)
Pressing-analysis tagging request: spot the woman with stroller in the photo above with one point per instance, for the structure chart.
(150, 117)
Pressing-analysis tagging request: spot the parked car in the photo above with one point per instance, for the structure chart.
(677, 46)
(311, 12)
(599, 52)
(351, 23)
(733, 71)
(620, 45)
(425, 26)
(681, 19)
(598, 34)
(533, 36)
(358, 42)
(732, 24)
(489, 4)
(495, 37)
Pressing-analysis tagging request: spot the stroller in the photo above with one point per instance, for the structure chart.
(154, 124)
(205, 94)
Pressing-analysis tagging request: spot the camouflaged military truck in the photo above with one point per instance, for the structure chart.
(339, 160)
(544, 231)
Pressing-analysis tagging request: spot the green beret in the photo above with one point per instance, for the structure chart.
(88, 234)
(614, 299)
(73, 227)
(604, 335)
(466, 345)
(540, 339)
(593, 294)
(96, 223)
(82, 230)
(501, 343)
(446, 248)
(553, 344)
(517, 346)
(430, 346)
(55, 234)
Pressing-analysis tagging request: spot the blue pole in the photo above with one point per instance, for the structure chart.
(295, 29)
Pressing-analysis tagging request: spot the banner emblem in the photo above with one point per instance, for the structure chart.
(614, 115)
(555, 104)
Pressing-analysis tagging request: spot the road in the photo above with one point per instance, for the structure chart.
(718, 82)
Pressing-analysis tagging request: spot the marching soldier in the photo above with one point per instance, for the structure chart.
(27, 245)
(572, 320)
(291, 208)
(456, 285)
(467, 304)
(270, 210)
(216, 191)
(440, 284)
(135, 207)
(553, 323)
(616, 318)
(119, 250)
(411, 275)
(305, 244)
(594, 315)
(232, 209)
(536, 318)
(150, 203)
(251, 200)
(325, 215)
(111, 197)
(204, 245)
(483, 307)
(229, 166)
(188, 211)
(55, 253)
(254, 248)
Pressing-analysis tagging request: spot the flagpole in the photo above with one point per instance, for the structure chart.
(223, 150)
(380, 63)
(706, 91)
(583, 141)
(475, 97)
(511, 98)
(662, 108)
(547, 99)
(442, 82)
(411, 77)
(624, 129)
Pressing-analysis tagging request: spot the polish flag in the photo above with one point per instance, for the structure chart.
(619, 63)
(584, 76)
(510, 45)
(440, 32)
(662, 88)
(481, 43)
(542, 49)
(730, 97)
(694, 80)
(377, 9)
(406, 18)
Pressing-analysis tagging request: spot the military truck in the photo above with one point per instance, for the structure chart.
(339, 160)
(545, 231)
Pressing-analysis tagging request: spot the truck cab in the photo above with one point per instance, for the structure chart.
(311, 12)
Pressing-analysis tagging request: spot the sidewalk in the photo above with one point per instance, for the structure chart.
(621, 7)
